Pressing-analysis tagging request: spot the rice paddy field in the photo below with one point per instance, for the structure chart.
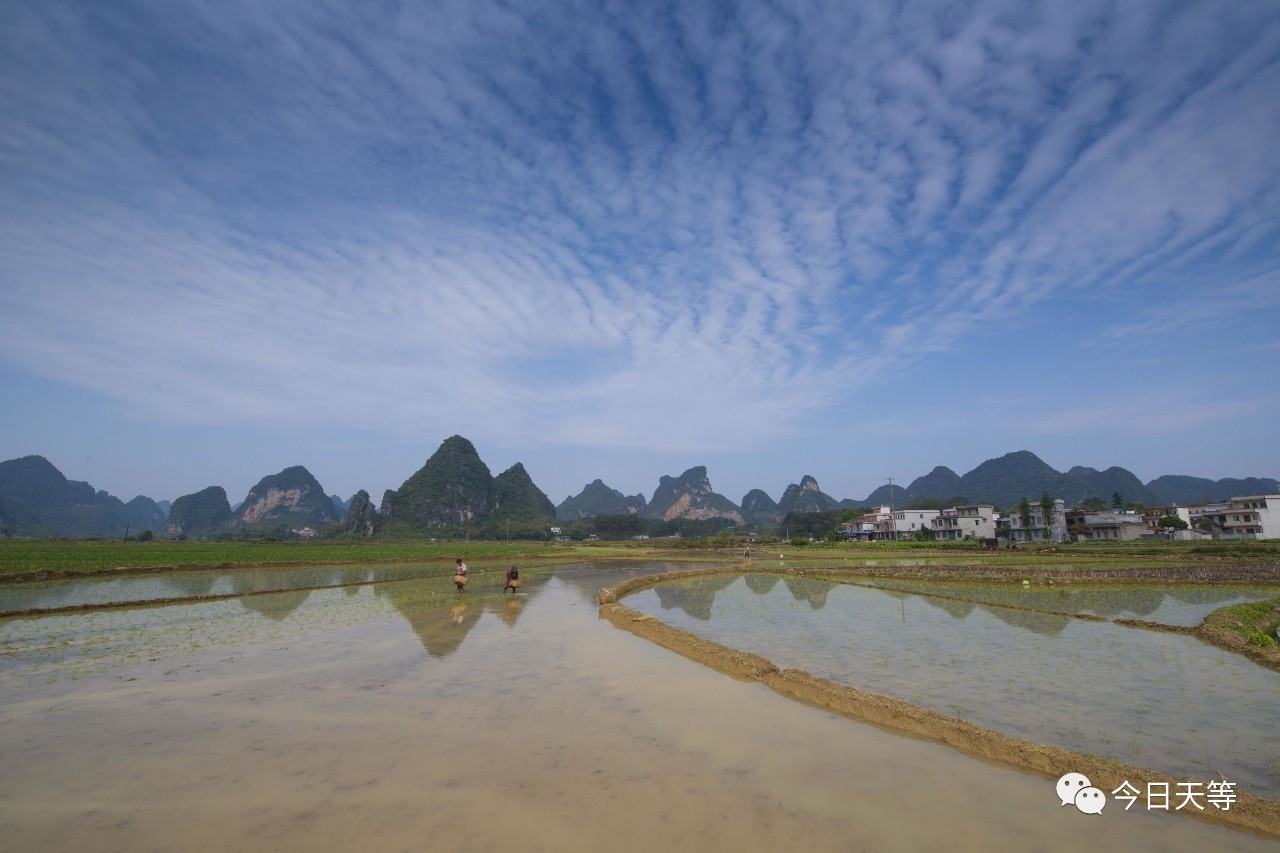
(1159, 700)
(25, 558)
(256, 701)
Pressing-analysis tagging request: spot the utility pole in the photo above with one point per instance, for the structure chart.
(892, 521)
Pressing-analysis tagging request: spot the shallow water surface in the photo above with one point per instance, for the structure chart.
(74, 592)
(406, 716)
(1163, 701)
(1184, 605)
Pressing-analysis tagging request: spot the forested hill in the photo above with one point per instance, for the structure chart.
(36, 499)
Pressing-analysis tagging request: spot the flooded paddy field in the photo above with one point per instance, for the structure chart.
(194, 583)
(1184, 605)
(1163, 701)
(402, 715)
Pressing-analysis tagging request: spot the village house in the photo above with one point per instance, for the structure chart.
(1252, 517)
(1154, 513)
(975, 521)
(1112, 526)
(908, 522)
(1209, 518)
(875, 524)
(1055, 529)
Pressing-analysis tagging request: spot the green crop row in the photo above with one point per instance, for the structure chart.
(57, 557)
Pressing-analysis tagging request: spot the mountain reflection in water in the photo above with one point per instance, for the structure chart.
(1154, 699)
(1172, 605)
(1037, 609)
(442, 617)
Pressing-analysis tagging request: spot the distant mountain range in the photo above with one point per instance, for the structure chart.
(454, 489)
(37, 500)
(1001, 482)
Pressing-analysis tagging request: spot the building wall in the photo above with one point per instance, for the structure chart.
(1113, 528)
(1057, 526)
(1253, 517)
(907, 521)
(975, 522)
(1154, 513)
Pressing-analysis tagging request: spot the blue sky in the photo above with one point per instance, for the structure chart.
(618, 240)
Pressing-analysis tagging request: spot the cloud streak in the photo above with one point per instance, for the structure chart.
(675, 228)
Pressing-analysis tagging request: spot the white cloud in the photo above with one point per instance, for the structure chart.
(1147, 414)
(590, 225)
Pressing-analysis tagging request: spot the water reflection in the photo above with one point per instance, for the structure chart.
(73, 592)
(694, 596)
(267, 609)
(511, 608)
(1045, 624)
(1170, 604)
(435, 612)
(1154, 699)
(808, 590)
(957, 609)
(186, 584)
(74, 643)
(340, 732)
(284, 598)
(762, 584)
(584, 578)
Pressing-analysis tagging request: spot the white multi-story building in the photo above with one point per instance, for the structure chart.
(1054, 529)
(1252, 517)
(975, 521)
(884, 523)
(1211, 518)
(1154, 513)
(875, 523)
(908, 522)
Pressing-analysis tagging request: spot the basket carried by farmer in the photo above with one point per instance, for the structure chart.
(460, 580)
(513, 580)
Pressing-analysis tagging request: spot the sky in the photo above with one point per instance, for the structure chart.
(616, 240)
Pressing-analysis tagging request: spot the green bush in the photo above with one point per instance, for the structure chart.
(1261, 640)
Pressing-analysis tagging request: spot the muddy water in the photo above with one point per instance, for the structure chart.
(1170, 605)
(399, 717)
(1164, 701)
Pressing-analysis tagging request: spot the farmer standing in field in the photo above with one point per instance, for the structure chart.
(513, 580)
(460, 575)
